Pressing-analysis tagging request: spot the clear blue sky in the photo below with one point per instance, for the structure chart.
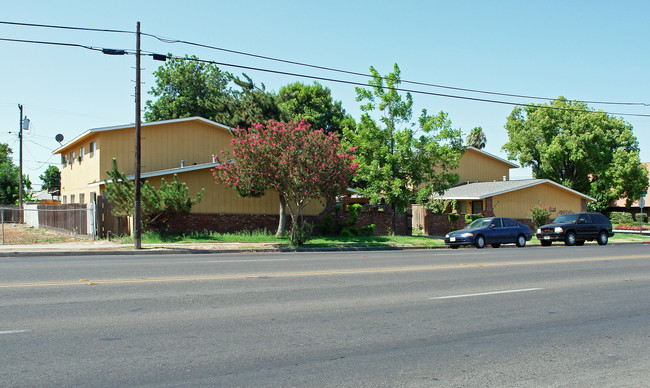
(585, 50)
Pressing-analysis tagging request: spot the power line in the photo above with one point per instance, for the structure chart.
(94, 48)
(398, 89)
(51, 43)
(66, 27)
(172, 41)
(123, 52)
(166, 40)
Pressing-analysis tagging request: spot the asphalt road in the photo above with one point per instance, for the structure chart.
(557, 316)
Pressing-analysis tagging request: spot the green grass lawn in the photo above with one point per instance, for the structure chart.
(264, 237)
(269, 238)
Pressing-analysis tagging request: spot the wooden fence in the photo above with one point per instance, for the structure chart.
(107, 224)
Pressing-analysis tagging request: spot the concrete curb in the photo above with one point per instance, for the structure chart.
(195, 251)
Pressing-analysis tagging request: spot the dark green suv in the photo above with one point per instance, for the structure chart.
(576, 228)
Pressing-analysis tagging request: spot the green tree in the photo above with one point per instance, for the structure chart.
(157, 207)
(9, 183)
(476, 138)
(51, 180)
(186, 88)
(253, 104)
(398, 162)
(578, 147)
(299, 163)
(315, 105)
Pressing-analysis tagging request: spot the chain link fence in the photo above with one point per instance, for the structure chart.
(78, 219)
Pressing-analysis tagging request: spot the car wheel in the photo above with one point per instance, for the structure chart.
(580, 243)
(602, 238)
(521, 241)
(454, 246)
(479, 242)
(545, 243)
(495, 245)
(570, 239)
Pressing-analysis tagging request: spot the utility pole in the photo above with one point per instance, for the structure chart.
(20, 158)
(137, 224)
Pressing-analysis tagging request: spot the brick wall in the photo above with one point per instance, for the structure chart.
(439, 225)
(230, 223)
(383, 220)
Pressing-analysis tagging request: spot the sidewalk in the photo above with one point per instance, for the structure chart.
(95, 248)
(111, 248)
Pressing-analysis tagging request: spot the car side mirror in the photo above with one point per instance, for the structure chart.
(581, 221)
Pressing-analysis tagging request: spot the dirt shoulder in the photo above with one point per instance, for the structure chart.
(22, 234)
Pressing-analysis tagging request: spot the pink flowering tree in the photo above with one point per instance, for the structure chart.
(299, 163)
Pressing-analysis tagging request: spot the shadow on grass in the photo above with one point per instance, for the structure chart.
(265, 237)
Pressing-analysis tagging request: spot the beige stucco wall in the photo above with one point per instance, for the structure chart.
(76, 175)
(517, 204)
(475, 166)
(163, 146)
(219, 199)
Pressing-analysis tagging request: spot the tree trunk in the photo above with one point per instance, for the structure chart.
(282, 224)
(394, 218)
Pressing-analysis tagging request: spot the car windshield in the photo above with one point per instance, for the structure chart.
(566, 219)
(480, 223)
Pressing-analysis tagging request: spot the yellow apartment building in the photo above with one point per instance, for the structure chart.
(181, 146)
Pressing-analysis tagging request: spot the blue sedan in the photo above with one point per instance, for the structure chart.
(491, 230)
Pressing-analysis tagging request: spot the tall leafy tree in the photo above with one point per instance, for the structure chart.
(9, 183)
(299, 163)
(157, 206)
(401, 161)
(583, 149)
(186, 88)
(253, 104)
(51, 180)
(315, 105)
(476, 138)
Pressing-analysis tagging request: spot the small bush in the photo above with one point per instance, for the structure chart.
(469, 218)
(345, 232)
(440, 206)
(453, 217)
(620, 217)
(300, 233)
(326, 227)
(540, 215)
(367, 230)
(353, 211)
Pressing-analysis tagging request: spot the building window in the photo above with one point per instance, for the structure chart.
(82, 151)
(73, 156)
(71, 198)
(64, 160)
(93, 147)
(93, 197)
(477, 207)
(82, 198)
(65, 199)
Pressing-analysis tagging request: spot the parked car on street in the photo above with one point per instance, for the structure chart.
(491, 230)
(576, 228)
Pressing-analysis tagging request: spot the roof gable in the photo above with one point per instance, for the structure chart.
(481, 190)
(489, 155)
(93, 131)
